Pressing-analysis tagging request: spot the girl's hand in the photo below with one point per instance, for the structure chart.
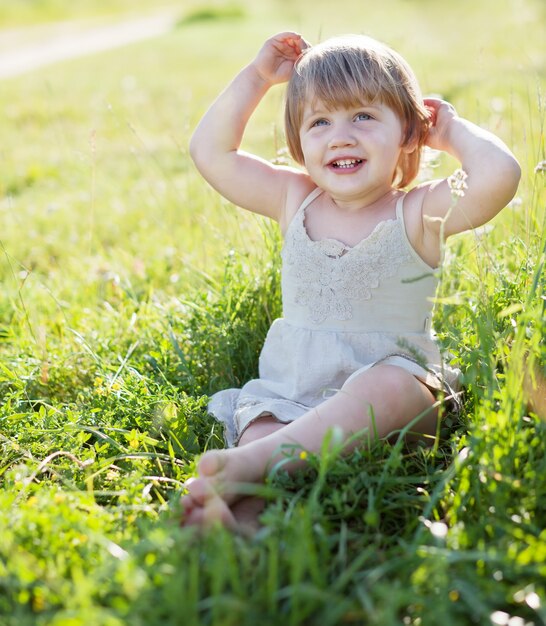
(441, 115)
(492, 174)
(275, 61)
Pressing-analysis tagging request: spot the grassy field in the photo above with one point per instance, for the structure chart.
(131, 291)
(15, 15)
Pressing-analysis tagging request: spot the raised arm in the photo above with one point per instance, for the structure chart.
(492, 170)
(246, 180)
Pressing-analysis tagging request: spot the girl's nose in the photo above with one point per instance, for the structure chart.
(341, 137)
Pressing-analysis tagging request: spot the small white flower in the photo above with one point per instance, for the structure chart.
(533, 600)
(515, 203)
(457, 183)
(439, 530)
(540, 167)
(482, 231)
(282, 157)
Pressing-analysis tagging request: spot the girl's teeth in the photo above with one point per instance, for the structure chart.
(346, 163)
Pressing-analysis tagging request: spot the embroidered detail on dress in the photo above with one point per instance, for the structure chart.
(330, 274)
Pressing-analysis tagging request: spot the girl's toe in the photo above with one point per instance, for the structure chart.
(211, 463)
(199, 492)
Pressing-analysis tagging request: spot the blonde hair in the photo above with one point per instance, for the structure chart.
(348, 71)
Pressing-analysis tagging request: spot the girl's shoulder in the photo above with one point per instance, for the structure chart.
(299, 189)
(414, 198)
(426, 245)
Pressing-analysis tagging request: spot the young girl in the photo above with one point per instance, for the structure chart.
(354, 349)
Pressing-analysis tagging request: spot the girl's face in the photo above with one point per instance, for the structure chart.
(351, 153)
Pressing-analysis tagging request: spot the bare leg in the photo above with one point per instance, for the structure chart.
(394, 395)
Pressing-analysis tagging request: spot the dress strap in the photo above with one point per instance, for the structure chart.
(314, 194)
(400, 208)
(299, 213)
(400, 218)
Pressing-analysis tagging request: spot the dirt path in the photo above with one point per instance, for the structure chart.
(69, 40)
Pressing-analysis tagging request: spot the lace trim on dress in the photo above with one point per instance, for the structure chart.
(330, 274)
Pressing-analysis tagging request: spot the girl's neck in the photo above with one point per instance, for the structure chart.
(374, 202)
(325, 219)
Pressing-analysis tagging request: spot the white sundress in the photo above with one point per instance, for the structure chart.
(344, 310)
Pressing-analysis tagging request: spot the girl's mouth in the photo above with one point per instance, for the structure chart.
(346, 164)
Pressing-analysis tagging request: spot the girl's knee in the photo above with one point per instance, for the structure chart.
(396, 386)
(382, 377)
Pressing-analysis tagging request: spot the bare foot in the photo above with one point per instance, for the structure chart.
(247, 514)
(204, 507)
(217, 495)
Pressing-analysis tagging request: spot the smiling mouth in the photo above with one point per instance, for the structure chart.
(346, 164)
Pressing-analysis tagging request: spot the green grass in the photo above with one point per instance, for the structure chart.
(40, 12)
(131, 291)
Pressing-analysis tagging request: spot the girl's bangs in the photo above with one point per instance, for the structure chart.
(343, 95)
(340, 84)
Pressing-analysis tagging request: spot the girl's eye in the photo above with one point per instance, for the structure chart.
(360, 117)
(319, 122)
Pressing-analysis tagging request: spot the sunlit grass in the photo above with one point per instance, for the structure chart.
(131, 291)
(40, 12)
